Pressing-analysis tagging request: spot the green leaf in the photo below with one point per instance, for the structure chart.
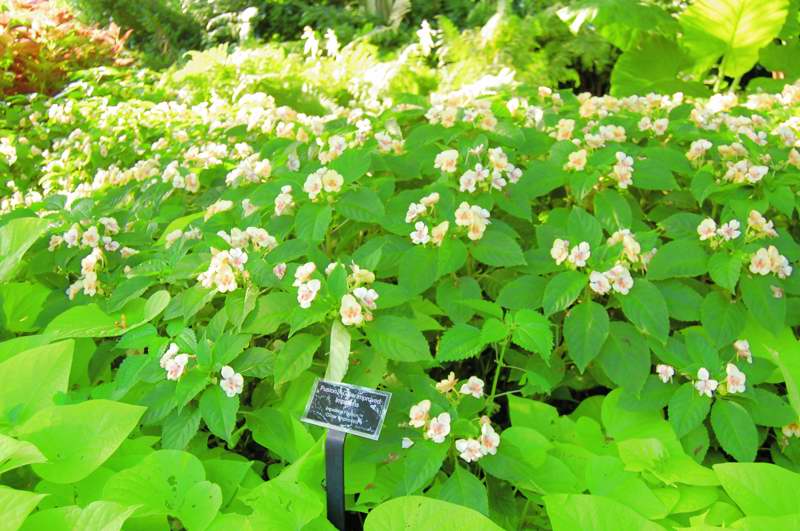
(645, 307)
(167, 482)
(418, 512)
(16, 237)
(569, 512)
(295, 357)
(653, 65)
(678, 258)
(97, 516)
(312, 221)
(15, 505)
(582, 226)
(280, 504)
(361, 205)
(417, 269)
(612, 210)
(562, 290)
(464, 489)
(769, 409)
(532, 332)
(625, 357)
(783, 350)
(735, 430)
(22, 304)
(219, 412)
(14, 454)
(339, 357)
(731, 29)
(398, 339)
(687, 409)
(523, 292)
(460, 342)
(769, 311)
(78, 438)
(606, 476)
(281, 433)
(498, 249)
(585, 331)
(38, 375)
(761, 489)
(724, 270)
(722, 319)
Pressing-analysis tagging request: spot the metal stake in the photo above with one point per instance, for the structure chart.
(334, 477)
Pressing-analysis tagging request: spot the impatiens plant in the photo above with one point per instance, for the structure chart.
(585, 307)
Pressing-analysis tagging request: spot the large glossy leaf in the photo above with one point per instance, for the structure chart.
(16, 237)
(418, 512)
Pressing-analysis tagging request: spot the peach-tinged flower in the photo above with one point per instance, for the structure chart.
(577, 160)
(791, 430)
(418, 415)
(559, 251)
(415, 210)
(332, 181)
(464, 215)
(421, 234)
(446, 161)
(730, 230)
(366, 296)
(350, 311)
(232, 382)
(448, 384)
(474, 387)
(439, 232)
(580, 254)
(705, 385)
(439, 428)
(742, 348)
(469, 450)
(304, 272)
(760, 262)
(665, 372)
(599, 283)
(489, 439)
(307, 292)
(279, 270)
(707, 229)
(176, 366)
(735, 379)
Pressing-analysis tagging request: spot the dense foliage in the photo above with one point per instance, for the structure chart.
(585, 307)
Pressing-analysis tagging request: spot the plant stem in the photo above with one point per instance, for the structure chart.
(500, 365)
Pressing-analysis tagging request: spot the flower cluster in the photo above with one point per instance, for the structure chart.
(322, 180)
(618, 279)
(622, 172)
(174, 362)
(257, 237)
(707, 230)
(223, 270)
(436, 428)
(356, 307)
(307, 287)
(495, 176)
(768, 260)
(284, 202)
(475, 218)
(251, 169)
(577, 256)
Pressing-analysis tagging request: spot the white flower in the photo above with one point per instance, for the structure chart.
(71, 237)
(730, 230)
(350, 311)
(332, 181)
(580, 254)
(170, 353)
(439, 232)
(446, 161)
(421, 235)
(665, 372)
(176, 366)
(303, 273)
(760, 262)
(791, 430)
(489, 439)
(439, 428)
(284, 201)
(279, 270)
(467, 181)
(448, 384)
(91, 237)
(366, 296)
(469, 450)
(660, 126)
(704, 384)
(620, 278)
(307, 292)
(313, 185)
(706, 229)
(232, 382)
(418, 415)
(237, 258)
(742, 348)
(577, 160)
(599, 283)
(559, 251)
(735, 379)
(414, 211)
(474, 387)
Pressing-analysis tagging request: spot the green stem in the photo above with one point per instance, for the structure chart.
(500, 365)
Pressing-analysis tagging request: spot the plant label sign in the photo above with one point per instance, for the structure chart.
(347, 408)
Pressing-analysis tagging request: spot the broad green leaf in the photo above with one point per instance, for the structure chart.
(361, 205)
(523, 292)
(295, 357)
(606, 476)
(687, 409)
(582, 226)
(167, 482)
(97, 516)
(178, 224)
(498, 249)
(78, 438)
(312, 221)
(15, 505)
(569, 512)
(625, 357)
(16, 237)
(339, 356)
(417, 269)
(612, 210)
(397, 339)
(722, 318)
(38, 375)
(769, 310)
(14, 454)
(769, 409)
(531, 331)
(418, 512)
(760, 489)
(585, 331)
(724, 270)
(281, 504)
(22, 304)
(645, 307)
(678, 258)
(734, 429)
(464, 489)
(733, 30)
(562, 290)
(460, 342)
(280, 433)
(653, 65)
(219, 412)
